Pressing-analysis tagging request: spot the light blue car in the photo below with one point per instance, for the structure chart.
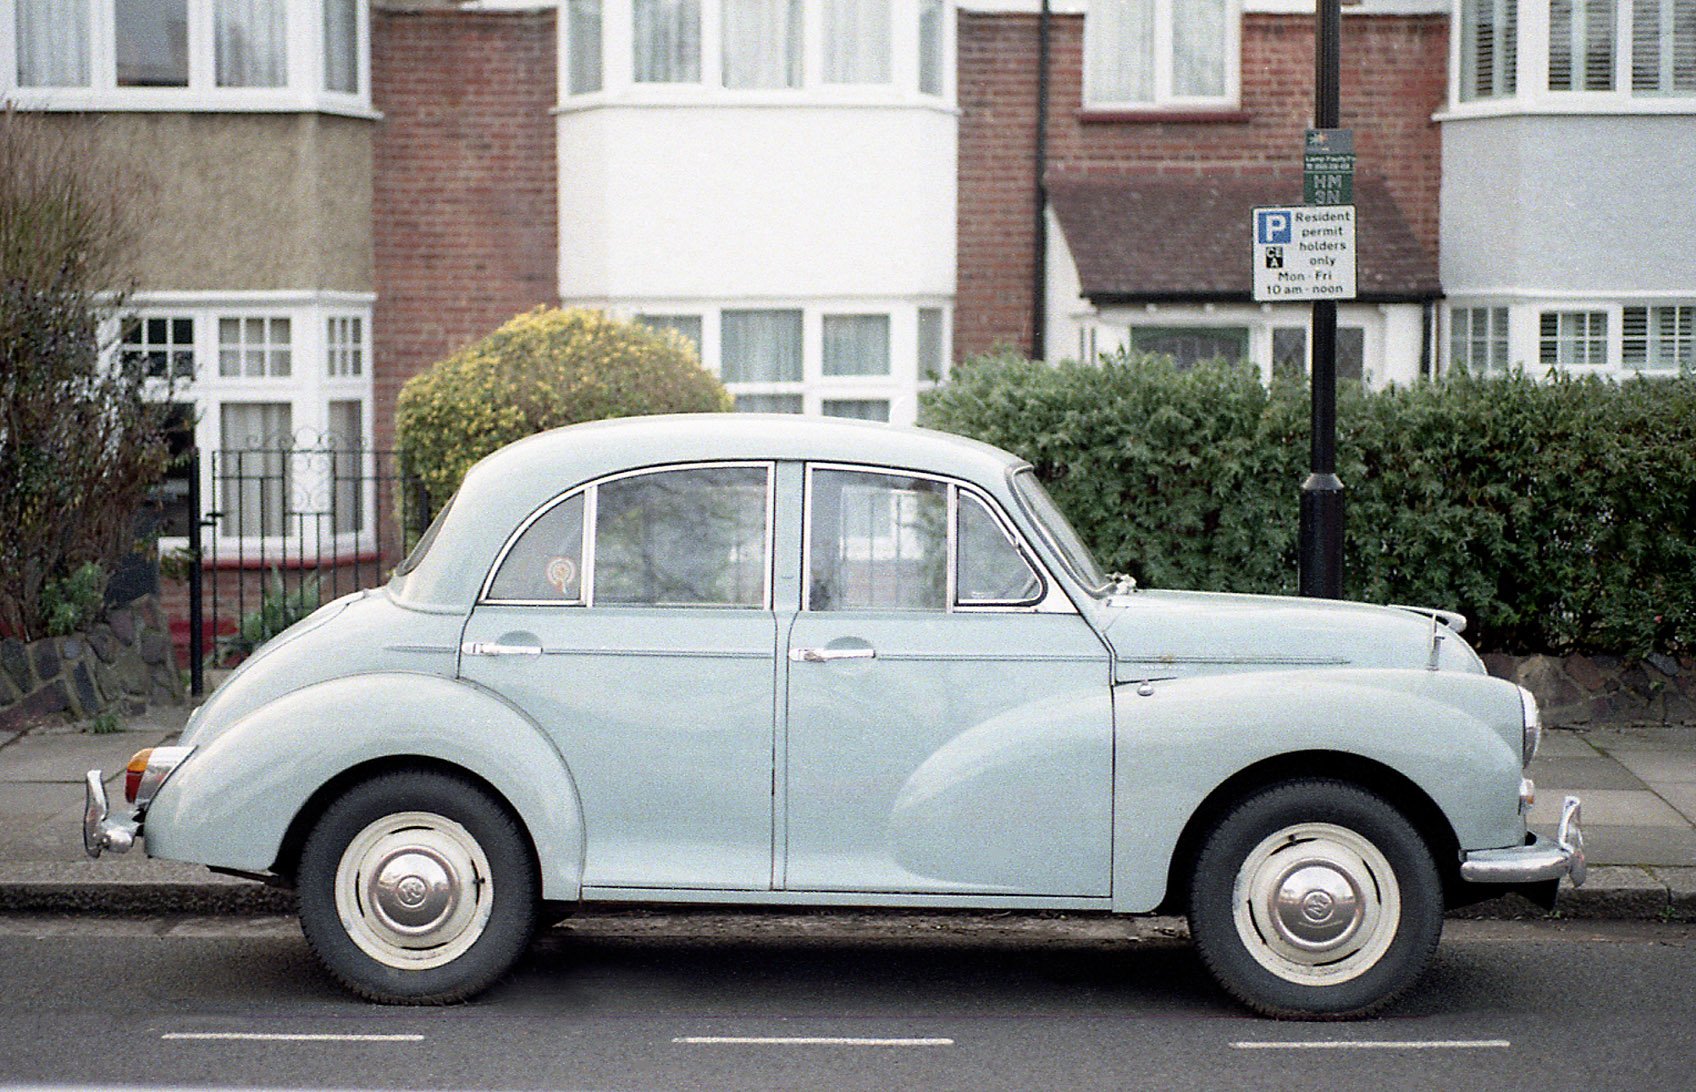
(780, 661)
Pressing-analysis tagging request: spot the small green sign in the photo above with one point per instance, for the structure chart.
(1327, 175)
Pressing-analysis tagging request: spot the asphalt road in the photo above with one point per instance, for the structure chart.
(239, 1002)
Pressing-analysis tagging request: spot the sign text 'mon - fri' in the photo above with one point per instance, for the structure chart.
(1304, 253)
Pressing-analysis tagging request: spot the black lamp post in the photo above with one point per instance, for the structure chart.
(1321, 550)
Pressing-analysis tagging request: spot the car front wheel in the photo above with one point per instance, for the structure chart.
(1315, 899)
(417, 888)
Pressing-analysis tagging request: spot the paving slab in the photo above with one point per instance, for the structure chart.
(1607, 807)
(1563, 743)
(1680, 796)
(1594, 772)
(53, 757)
(1678, 739)
(1658, 767)
(1663, 846)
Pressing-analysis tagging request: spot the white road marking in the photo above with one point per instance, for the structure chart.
(1378, 1044)
(279, 1037)
(805, 1040)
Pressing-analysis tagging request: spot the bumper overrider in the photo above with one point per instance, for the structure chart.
(146, 772)
(1538, 861)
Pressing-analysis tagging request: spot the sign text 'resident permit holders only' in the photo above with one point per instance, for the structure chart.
(1304, 253)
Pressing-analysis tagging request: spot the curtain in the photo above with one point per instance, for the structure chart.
(856, 345)
(1119, 51)
(252, 46)
(254, 466)
(151, 42)
(1198, 48)
(761, 347)
(668, 41)
(52, 43)
(762, 43)
(341, 46)
(856, 41)
(583, 46)
(930, 47)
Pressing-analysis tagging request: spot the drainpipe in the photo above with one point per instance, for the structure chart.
(1039, 267)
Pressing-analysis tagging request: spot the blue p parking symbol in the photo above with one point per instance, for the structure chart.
(1272, 226)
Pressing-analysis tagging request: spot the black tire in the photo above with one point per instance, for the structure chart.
(1353, 934)
(433, 840)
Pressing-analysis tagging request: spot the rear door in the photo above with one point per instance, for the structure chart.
(632, 618)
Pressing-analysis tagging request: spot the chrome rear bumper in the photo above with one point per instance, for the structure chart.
(100, 832)
(1541, 860)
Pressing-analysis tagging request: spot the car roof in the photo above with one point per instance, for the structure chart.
(508, 485)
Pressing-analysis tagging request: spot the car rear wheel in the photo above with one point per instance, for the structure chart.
(417, 888)
(1315, 899)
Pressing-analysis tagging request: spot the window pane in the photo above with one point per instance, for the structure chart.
(990, 567)
(583, 34)
(164, 347)
(930, 47)
(253, 347)
(344, 346)
(152, 42)
(1198, 48)
(546, 563)
(682, 537)
(858, 409)
(1119, 51)
(687, 325)
(762, 43)
(1581, 45)
(877, 542)
(768, 403)
(52, 43)
(668, 41)
(856, 345)
(1289, 351)
(341, 46)
(1489, 39)
(253, 466)
(1351, 353)
(252, 43)
(761, 347)
(346, 444)
(1573, 337)
(1192, 345)
(1663, 47)
(930, 343)
(856, 41)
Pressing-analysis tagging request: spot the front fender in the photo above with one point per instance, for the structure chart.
(230, 804)
(1453, 735)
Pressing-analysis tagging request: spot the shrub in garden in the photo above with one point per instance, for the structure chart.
(543, 369)
(82, 441)
(1559, 515)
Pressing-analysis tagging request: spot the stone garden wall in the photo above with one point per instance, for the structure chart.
(118, 666)
(1579, 690)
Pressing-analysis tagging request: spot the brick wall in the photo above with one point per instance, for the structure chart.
(1393, 80)
(466, 231)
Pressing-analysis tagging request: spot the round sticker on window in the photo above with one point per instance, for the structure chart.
(562, 574)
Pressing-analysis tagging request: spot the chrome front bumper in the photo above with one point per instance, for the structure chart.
(1541, 860)
(100, 832)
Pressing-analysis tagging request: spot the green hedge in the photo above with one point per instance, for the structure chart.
(1560, 516)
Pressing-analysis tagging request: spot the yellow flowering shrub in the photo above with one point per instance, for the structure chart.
(543, 369)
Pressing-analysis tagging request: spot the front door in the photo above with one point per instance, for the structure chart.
(949, 717)
(632, 618)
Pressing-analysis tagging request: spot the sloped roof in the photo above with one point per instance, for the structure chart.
(1152, 238)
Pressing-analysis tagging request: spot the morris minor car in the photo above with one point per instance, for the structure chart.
(775, 661)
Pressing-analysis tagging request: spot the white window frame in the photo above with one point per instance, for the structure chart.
(900, 388)
(308, 390)
(1164, 98)
(302, 89)
(1505, 336)
(1525, 312)
(618, 84)
(1532, 94)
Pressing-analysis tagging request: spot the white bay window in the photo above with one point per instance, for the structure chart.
(186, 55)
(1625, 56)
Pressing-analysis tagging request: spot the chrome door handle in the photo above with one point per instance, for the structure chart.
(495, 648)
(820, 655)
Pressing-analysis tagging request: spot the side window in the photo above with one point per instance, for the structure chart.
(877, 542)
(546, 563)
(990, 568)
(692, 537)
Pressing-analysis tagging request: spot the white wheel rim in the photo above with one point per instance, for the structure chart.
(414, 890)
(1316, 904)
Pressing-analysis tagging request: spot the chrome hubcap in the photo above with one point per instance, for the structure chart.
(1316, 904)
(413, 890)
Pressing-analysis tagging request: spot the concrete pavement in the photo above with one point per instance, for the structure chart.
(1638, 787)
